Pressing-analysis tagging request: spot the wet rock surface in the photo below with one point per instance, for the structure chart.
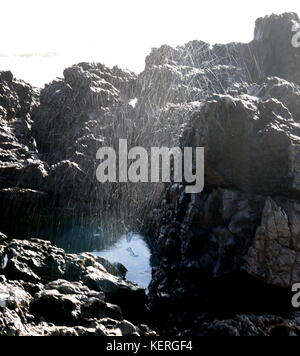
(44, 291)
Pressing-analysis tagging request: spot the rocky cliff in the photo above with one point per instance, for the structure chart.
(228, 256)
(234, 249)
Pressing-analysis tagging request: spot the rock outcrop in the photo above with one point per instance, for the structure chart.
(44, 291)
(22, 172)
(272, 47)
(70, 105)
(48, 145)
(234, 248)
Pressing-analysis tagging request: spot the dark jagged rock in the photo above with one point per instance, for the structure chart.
(272, 47)
(43, 290)
(22, 173)
(86, 93)
(17, 98)
(48, 149)
(86, 110)
(244, 325)
(192, 72)
(19, 164)
(242, 136)
(240, 237)
(287, 93)
(189, 74)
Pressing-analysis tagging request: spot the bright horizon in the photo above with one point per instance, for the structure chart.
(118, 32)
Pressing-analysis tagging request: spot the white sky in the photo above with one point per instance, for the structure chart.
(124, 31)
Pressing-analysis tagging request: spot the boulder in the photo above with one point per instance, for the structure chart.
(10, 323)
(130, 297)
(52, 306)
(250, 144)
(13, 296)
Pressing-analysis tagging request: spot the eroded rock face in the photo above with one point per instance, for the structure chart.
(244, 228)
(19, 165)
(49, 140)
(17, 97)
(240, 236)
(251, 151)
(190, 73)
(274, 255)
(86, 93)
(251, 144)
(22, 172)
(43, 288)
(272, 45)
